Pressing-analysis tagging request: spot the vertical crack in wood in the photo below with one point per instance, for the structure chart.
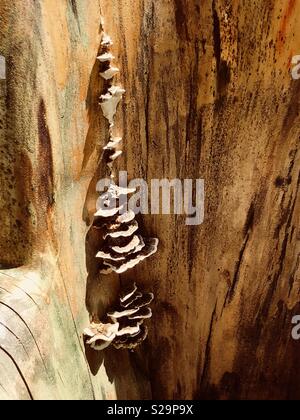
(206, 363)
(20, 288)
(78, 338)
(19, 371)
(14, 335)
(30, 332)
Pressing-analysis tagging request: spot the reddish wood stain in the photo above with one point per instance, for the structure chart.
(282, 34)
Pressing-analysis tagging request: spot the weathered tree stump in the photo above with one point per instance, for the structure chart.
(209, 94)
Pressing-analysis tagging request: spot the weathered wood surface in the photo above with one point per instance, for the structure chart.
(209, 95)
(49, 116)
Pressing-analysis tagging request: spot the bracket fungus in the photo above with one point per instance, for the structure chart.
(113, 143)
(103, 58)
(106, 41)
(109, 73)
(123, 247)
(100, 336)
(109, 103)
(127, 330)
(131, 260)
(133, 311)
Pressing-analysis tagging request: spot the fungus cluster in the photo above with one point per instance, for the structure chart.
(123, 247)
(110, 100)
(125, 328)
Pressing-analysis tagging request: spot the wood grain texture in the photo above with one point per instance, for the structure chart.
(48, 116)
(209, 95)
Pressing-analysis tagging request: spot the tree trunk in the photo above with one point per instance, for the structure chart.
(209, 94)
